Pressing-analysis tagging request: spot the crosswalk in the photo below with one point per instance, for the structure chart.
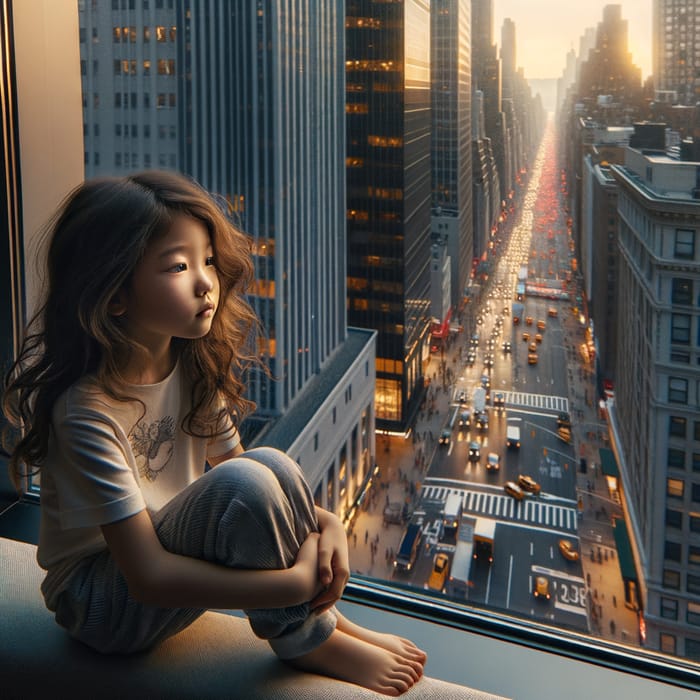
(499, 506)
(555, 404)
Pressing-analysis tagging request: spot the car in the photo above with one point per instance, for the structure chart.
(471, 358)
(506, 347)
(445, 436)
(541, 588)
(527, 483)
(462, 398)
(564, 419)
(526, 336)
(464, 419)
(474, 451)
(482, 420)
(499, 400)
(485, 381)
(551, 311)
(541, 325)
(567, 550)
(532, 347)
(512, 489)
(532, 358)
(493, 462)
(538, 337)
(528, 320)
(488, 360)
(438, 575)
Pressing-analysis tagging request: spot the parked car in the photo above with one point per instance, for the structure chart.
(527, 483)
(567, 550)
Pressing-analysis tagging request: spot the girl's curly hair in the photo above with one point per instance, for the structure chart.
(95, 241)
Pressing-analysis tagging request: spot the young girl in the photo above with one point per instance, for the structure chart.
(128, 383)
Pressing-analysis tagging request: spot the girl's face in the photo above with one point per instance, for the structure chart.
(174, 291)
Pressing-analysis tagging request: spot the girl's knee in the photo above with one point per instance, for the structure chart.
(286, 470)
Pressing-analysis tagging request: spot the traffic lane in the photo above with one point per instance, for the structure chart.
(520, 554)
(545, 457)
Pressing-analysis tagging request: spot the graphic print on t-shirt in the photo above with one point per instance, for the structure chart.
(153, 446)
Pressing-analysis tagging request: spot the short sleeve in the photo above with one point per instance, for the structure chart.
(94, 472)
(226, 440)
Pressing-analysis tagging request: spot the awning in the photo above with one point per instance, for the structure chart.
(608, 463)
(624, 551)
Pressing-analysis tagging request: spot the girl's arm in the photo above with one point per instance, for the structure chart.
(158, 577)
(333, 559)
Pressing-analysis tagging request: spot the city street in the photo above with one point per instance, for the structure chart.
(419, 472)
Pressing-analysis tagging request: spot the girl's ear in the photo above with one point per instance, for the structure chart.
(117, 305)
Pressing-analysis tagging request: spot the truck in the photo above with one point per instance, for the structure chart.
(458, 583)
(517, 312)
(522, 274)
(484, 531)
(408, 549)
(513, 433)
(479, 400)
(451, 515)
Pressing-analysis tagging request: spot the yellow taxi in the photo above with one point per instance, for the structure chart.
(538, 337)
(528, 320)
(541, 588)
(438, 576)
(526, 336)
(541, 325)
(532, 358)
(552, 312)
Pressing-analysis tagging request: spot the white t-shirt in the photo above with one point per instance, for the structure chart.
(106, 461)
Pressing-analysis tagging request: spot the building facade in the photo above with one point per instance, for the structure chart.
(655, 420)
(676, 51)
(389, 194)
(451, 137)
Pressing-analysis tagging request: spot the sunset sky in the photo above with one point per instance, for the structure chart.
(547, 29)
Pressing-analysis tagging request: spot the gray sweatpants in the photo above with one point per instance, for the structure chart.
(251, 512)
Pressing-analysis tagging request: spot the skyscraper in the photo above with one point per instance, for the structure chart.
(676, 50)
(389, 194)
(452, 135)
(655, 420)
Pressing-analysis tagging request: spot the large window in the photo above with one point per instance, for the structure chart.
(511, 431)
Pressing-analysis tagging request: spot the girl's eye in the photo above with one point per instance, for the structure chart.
(210, 260)
(180, 267)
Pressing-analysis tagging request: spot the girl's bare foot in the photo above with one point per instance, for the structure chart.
(356, 661)
(391, 642)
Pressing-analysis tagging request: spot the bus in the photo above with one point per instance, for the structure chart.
(408, 549)
(459, 582)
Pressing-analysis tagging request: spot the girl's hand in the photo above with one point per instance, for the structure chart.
(305, 568)
(333, 561)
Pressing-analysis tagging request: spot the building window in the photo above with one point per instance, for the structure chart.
(672, 579)
(676, 426)
(672, 551)
(694, 555)
(669, 608)
(677, 390)
(674, 518)
(694, 522)
(693, 584)
(680, 328)
(695, 493)
(682, 291)
(695, 465)
(676, 458)
(684, 246)
(692, 649)
(696, 431)
(674, 488)
(668, 643)
(693, 614)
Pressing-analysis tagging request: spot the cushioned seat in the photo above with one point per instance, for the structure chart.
(216, 657)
